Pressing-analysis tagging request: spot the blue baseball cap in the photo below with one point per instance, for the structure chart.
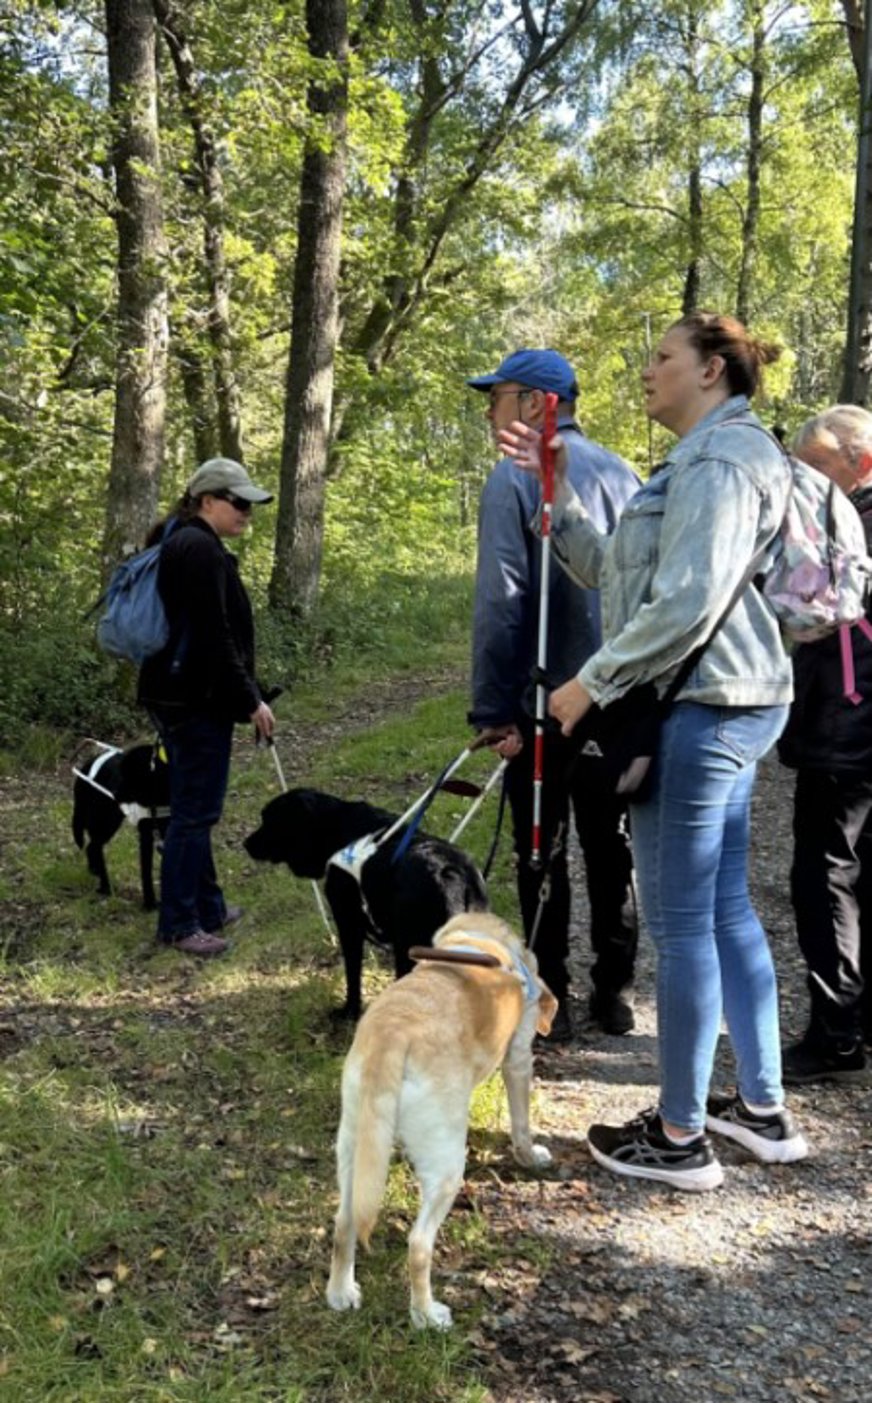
(540, 370)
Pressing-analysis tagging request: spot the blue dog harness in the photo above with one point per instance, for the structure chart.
(517, 967)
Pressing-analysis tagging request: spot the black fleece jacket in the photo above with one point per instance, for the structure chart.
(826, 731)
(208, 664)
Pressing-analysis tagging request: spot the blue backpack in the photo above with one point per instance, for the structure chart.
(134, 625)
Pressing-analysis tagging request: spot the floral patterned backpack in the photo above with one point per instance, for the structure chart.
(820, 573)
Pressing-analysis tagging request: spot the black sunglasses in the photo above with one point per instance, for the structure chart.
(239, 503)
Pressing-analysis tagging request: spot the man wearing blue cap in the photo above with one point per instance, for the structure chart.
(504, 652)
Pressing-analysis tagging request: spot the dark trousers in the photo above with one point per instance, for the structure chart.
(198, 750)
(831, 890)
(601, 825)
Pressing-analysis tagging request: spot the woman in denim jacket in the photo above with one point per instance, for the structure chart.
(680, 550)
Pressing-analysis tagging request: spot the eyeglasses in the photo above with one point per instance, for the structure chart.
(239, 503)
(494, 395)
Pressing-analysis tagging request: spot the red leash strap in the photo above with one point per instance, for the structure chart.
(548, 431)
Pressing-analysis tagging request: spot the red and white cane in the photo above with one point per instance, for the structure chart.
(547, 458)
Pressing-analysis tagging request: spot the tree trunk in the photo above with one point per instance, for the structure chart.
(141, 358)
(858, 342)
(314, 320)
(854, 18)
(751, 220)
(690, 295)
(226, 388)
(693, 272)
(196, 392)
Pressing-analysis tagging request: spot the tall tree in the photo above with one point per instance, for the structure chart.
(140, 380)
(229, 419)
(751, 216)
(689, 25)
(454, 70)
(315, 316)
(858, 342)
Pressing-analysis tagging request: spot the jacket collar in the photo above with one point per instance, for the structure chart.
(733, 408)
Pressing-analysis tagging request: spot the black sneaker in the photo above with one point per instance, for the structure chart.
(812, 1059)
(774, 1138)
(611, 1012)
(640, 1150)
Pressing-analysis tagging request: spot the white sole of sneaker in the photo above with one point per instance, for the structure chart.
(696, 1181)
(767, 1151)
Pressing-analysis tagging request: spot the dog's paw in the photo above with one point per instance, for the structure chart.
(532, 1156)
(346, 1297)
(438, 1317)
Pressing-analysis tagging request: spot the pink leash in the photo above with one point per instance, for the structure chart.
(548, 432)
(849, 681)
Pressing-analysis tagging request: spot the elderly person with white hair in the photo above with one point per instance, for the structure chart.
(828, 741)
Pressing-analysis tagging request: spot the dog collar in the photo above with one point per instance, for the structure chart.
(524, 975)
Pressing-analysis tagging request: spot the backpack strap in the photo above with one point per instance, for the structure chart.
(694, 657)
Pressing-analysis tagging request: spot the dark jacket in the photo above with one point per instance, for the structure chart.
(208, 664)
(826, 731)
(506, 615)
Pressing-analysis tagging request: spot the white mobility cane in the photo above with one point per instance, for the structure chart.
(547, 452)
(319, 900)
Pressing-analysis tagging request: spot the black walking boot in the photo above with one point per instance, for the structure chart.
(561, 1028)
(611, 1011)
(814, 1059)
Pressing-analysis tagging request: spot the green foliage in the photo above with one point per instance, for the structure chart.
(54, 679)
(575, 234)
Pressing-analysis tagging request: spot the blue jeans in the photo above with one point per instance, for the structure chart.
(690, 839)
(198, 749)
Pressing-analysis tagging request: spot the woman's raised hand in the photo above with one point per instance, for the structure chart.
(523, 445)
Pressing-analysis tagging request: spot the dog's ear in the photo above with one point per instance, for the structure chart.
(547, 1008)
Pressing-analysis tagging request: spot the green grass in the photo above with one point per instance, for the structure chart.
(166, 1128)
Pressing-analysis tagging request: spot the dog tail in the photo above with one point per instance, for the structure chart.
(376, 1131)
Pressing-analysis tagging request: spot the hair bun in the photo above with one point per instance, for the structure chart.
(767, 352)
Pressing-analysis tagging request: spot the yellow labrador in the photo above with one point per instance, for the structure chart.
(418, 1053)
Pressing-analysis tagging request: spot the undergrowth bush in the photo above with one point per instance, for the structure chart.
(52, 677)
(56, 686)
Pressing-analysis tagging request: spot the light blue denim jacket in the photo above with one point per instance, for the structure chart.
(681, 548)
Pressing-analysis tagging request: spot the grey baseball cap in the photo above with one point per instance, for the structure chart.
(223, 475)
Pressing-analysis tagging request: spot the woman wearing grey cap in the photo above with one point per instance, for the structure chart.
(197, 688)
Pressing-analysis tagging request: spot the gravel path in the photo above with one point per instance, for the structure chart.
(759, 1291)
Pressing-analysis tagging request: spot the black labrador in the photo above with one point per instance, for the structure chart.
(398, 903)
(137, 776)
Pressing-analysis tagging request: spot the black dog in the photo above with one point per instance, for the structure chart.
(400, 904)
(136, 776)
